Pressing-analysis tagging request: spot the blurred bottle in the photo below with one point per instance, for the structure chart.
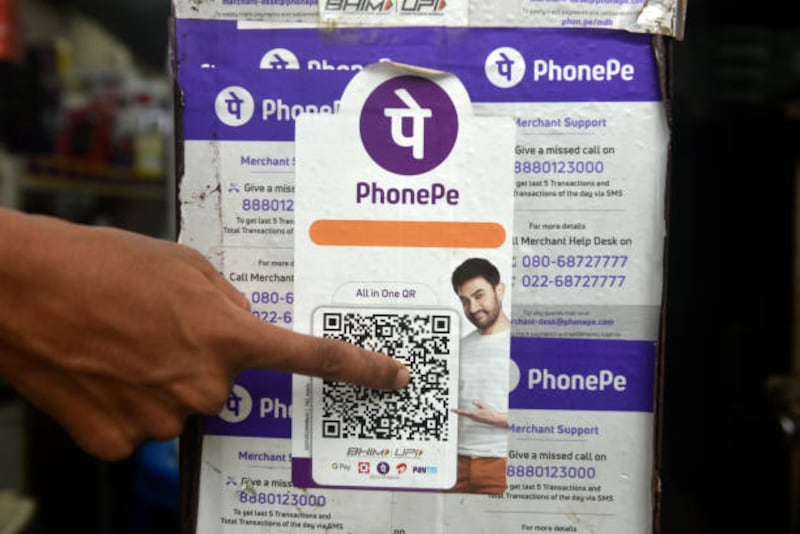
(149, 140)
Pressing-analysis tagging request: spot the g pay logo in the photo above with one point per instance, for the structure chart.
(238, 406)
(234, 106)
(280, 59)
(408, 125)
(505, 67)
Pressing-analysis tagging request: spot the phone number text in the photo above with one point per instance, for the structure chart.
(267, 204)
(573, 281)
(559, 167)
(551, 471)
(273, 317)
(270, 297)
(282, 499)
(575, 261)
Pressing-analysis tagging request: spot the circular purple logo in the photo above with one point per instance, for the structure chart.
(383, 468)
(408, 125)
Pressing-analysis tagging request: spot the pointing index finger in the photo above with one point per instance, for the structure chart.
(277, 348)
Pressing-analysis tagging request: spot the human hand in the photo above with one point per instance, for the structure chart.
(119, 337)
(483, 413)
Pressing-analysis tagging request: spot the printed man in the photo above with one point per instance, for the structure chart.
(483, 384)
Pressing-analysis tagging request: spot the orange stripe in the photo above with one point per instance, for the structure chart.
(407, 234)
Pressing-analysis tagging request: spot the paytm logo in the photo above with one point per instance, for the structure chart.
(280, 59)
(425, 470)
(234, 106)
(505, 67)
(408, 125)
(238, 406)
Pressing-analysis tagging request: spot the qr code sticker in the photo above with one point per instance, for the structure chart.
(426, 342)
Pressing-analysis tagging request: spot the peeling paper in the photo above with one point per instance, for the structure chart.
(660, 17)
(663, 17)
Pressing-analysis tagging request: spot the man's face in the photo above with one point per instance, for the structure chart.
(481, 302)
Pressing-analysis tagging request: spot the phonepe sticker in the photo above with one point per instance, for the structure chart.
(393, 193)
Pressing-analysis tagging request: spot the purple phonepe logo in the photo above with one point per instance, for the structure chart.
(383, 468)
(409, 125)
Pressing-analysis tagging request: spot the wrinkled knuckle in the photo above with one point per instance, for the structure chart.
(329, 359)
(210, 400)
(214, 405)
(201, 397)
(218, 395)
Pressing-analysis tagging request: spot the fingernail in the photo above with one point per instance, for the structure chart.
(401, 378)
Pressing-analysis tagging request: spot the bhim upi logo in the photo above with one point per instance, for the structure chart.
(362, 6)
(238, 406)
(408, 125)
(505, 67)
(234, 106)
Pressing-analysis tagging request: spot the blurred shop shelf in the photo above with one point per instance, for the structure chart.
(54, 173)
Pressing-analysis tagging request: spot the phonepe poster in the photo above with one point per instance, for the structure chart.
(393, 193)
(590, 160)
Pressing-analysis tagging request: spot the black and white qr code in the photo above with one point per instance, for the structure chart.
(426, 342)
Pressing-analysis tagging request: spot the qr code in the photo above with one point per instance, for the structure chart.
(426, 343)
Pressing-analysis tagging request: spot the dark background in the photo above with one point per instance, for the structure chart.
(728, 328)
(729, 322)
(140, 24)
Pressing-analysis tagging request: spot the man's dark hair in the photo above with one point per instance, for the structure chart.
(473, 268)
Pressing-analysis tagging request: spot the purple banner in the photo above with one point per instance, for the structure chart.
(251, 84)
(581, 374)
(259, 406)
